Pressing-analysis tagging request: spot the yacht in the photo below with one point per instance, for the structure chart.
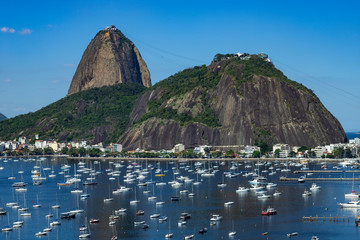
(351, 204)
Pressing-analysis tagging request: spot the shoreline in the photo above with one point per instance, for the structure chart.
(184, 159)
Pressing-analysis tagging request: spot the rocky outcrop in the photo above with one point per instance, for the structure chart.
(109, 59)
(262, 109)
(2, 117)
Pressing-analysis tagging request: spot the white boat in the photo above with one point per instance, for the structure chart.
(216, 217)
(271, 185)
(189, 236)
(120, 211)
(155, 215)
(55, 223)
(25, 214)
(231, 234)
(314, 187)
(169, 235)
(306, 193)
(227, 204)
(351, 204)
(276, 193)
(7, 229)
(353, 194)
(39, 234)
(263, 196)
(242, 189)
(85, 235)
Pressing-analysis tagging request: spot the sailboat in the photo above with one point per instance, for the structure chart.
(56, 205)
(153, 197)
(37, 205)
(353, 193)
(197, 179)
(78, 210)
(85, 231)
(109, 199)
(169, 235)
(232, 233)
(48, 229)
(222, 184)
(192, 194)
(7, 228)
(134, 201)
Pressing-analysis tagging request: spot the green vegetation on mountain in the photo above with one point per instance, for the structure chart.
(176, 86)
(98, 113)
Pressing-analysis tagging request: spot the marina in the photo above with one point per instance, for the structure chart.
(147, 199)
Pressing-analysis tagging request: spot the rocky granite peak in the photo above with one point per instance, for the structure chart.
(236, 100)
(109, 59)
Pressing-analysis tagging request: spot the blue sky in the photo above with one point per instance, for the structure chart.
(316, 43)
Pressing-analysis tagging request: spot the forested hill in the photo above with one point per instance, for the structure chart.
(97, 115)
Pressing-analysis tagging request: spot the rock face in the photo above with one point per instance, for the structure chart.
(252, 101)
(2, 117)
(109, 59)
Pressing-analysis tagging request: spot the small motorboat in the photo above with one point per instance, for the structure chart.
(301, 179)
(140, 212)
(306, 193)
(242, 189)
(314, 238)
(94, 220)
(231, 234)
(39, 234)
(291, 234)
(85, 235)
(185, 216)
(155, 215)
(108, 200)
(189, 236)
(276, 193)
(7, 229)
(315, 187)
(269, 211)
(203, 230)
(216, 217)
(120, 211)
(55, 223)
(169, 235)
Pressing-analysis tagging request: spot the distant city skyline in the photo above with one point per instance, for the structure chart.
(313, 43)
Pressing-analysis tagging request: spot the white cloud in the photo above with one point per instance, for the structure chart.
(8, 80)
(26, 31)
(7, 30)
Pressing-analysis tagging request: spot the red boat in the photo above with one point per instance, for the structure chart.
(269, 211)
(94, 220)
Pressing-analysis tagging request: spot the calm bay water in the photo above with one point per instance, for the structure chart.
(244, 216)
